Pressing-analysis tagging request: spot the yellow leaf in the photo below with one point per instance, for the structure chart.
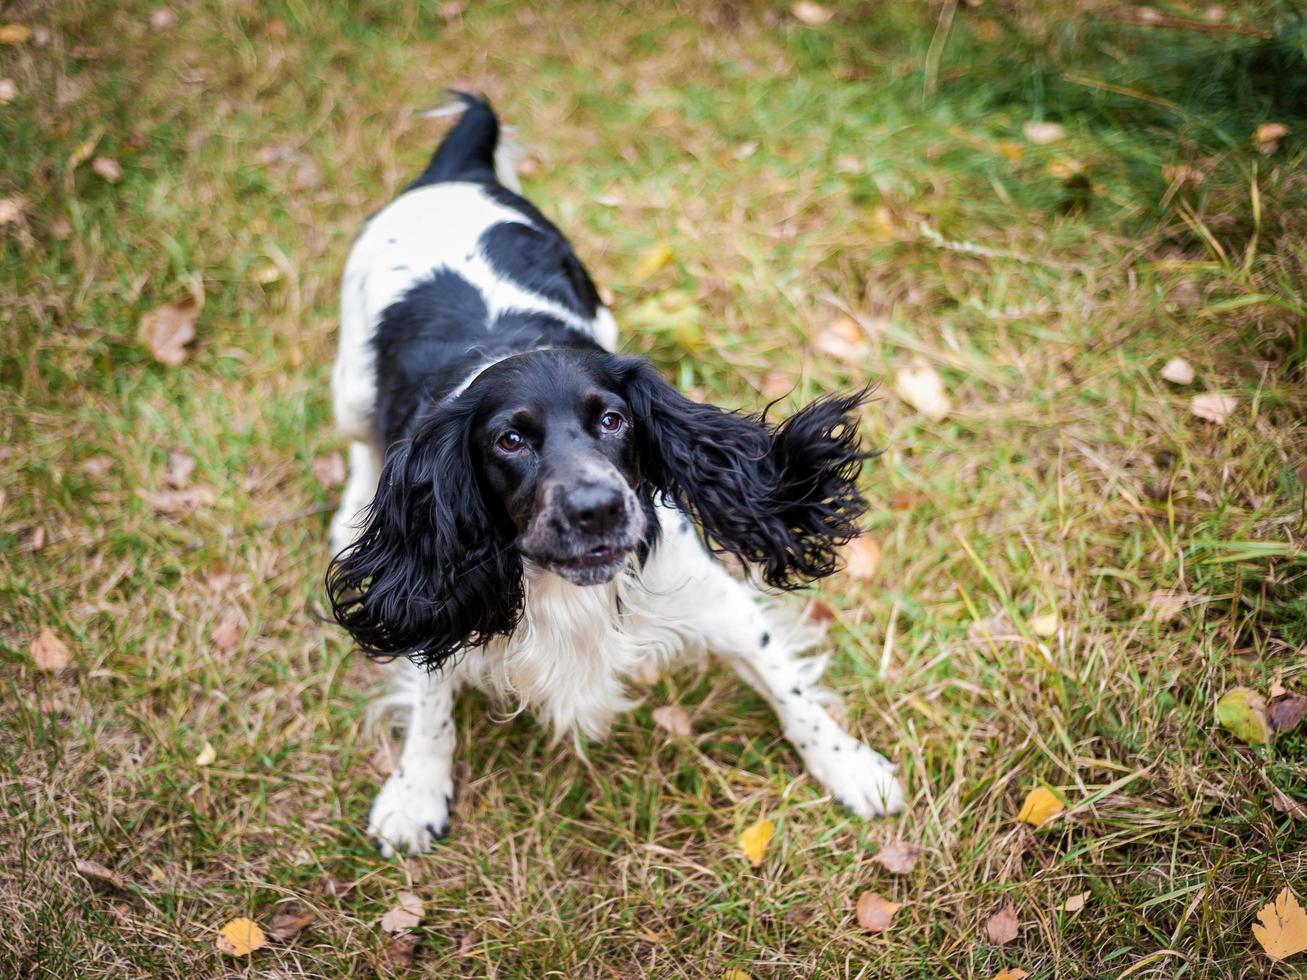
(1011, 973)
(207, 756)
(736, 975)
(651, 261)
(1040, 807)
(240, 937)
(1283, 927)
(754, 841)
(1011, 150)
(15, 34)
(1045, 625)
(1269, 131)
(1242, 712)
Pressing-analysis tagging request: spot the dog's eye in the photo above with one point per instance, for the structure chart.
(511, 442)
(611, 422)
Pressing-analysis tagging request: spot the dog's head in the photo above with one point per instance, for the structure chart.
(555, 458)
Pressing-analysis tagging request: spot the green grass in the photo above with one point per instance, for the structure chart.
(870, 164)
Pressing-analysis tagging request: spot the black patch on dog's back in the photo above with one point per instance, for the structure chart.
(540, 261)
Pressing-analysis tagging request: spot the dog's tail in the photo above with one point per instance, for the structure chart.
(473, 150)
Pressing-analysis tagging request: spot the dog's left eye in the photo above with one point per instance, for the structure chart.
(611, 422)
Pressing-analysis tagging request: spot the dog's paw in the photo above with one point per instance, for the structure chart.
(411, 812)
(858, 777)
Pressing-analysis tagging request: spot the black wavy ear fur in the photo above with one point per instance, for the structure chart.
(784, 497)
(431, 573)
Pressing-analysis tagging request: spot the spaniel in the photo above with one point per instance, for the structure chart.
(532, 514)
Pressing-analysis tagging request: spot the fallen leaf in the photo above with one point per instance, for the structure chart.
(672, 718)
(178, 501)
(651, 261)
(812, 14)
(1043, 133)
(1287, 804)
(178, 471)
(874, 912)
(1065, 169)
(754, 840)
(162, 19)
(1075, 903)
(342, 891)
(107, 168)
(240, 937)
(1003, 926)
(1040, 807)
(842, 339)
(898, 857)
(1045, 625)
(167, 330)
(920, 386)
(49, 652)
(1267, 136)
(97, 874)
(406, 915)
(227, 634)
(1285, 713)
(1011, 150)
(1242, 712)
(402, 949)
(1011, 973)
(330, 470)
(287, 924)
(8, 91)
(207, 755)
(36, 540)
(861, 556)
(1213, 408)
(14, 34)
(1178, 371)
(1283, 926)
(737, 975)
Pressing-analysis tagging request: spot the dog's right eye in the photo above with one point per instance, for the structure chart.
(511, 442)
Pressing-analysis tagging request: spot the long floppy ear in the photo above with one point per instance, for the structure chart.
(430, 573)
(782, 496)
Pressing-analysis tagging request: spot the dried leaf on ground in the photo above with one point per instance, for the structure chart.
(49, 652)
(1042, 133)
(1003, 926)
(1213, 408)
(812, 14)
(1282, 926)
(402, 949)
(335, 888)
(14, 33)
(920, 386)
(737, 975)
(330, 470)
(755, 839)
(287, 924)
(1287, 804)
(178, 501)
(167, 329)
(1075, 903)
(407, 913)
(651, 261)
(1040, 807)
(673, 718)
(1287, 712)
(1045, 626)
(8, 91)
(861, 557)
(35, 541)
(240, 937)
(1011, 973)
(11, 209)
(97, 874)
(179, 469)
(1178, 371)
(108, 169)
(207, 755)
(874, 912)
(1267, 136)
(843, 339)
(898, 857)
(227, 634)
(1242, 712)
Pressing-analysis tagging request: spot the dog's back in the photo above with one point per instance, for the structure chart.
(454, 274)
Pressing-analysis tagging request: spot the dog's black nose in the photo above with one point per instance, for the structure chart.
(594, 509)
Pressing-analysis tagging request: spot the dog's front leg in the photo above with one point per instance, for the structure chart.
(411, 812)
(767, 655)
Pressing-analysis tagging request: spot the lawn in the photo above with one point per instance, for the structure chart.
(1073, 565)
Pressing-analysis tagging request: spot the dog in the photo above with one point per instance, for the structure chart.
(530, 513)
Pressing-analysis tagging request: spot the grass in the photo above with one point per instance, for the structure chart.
(875, 164)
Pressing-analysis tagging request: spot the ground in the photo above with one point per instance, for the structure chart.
(878, 167)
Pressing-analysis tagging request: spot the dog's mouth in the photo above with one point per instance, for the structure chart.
(593, 566)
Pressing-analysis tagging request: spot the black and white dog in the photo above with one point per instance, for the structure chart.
(530, 513)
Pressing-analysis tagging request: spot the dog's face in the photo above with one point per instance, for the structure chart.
(553, 459)
(554, 446)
